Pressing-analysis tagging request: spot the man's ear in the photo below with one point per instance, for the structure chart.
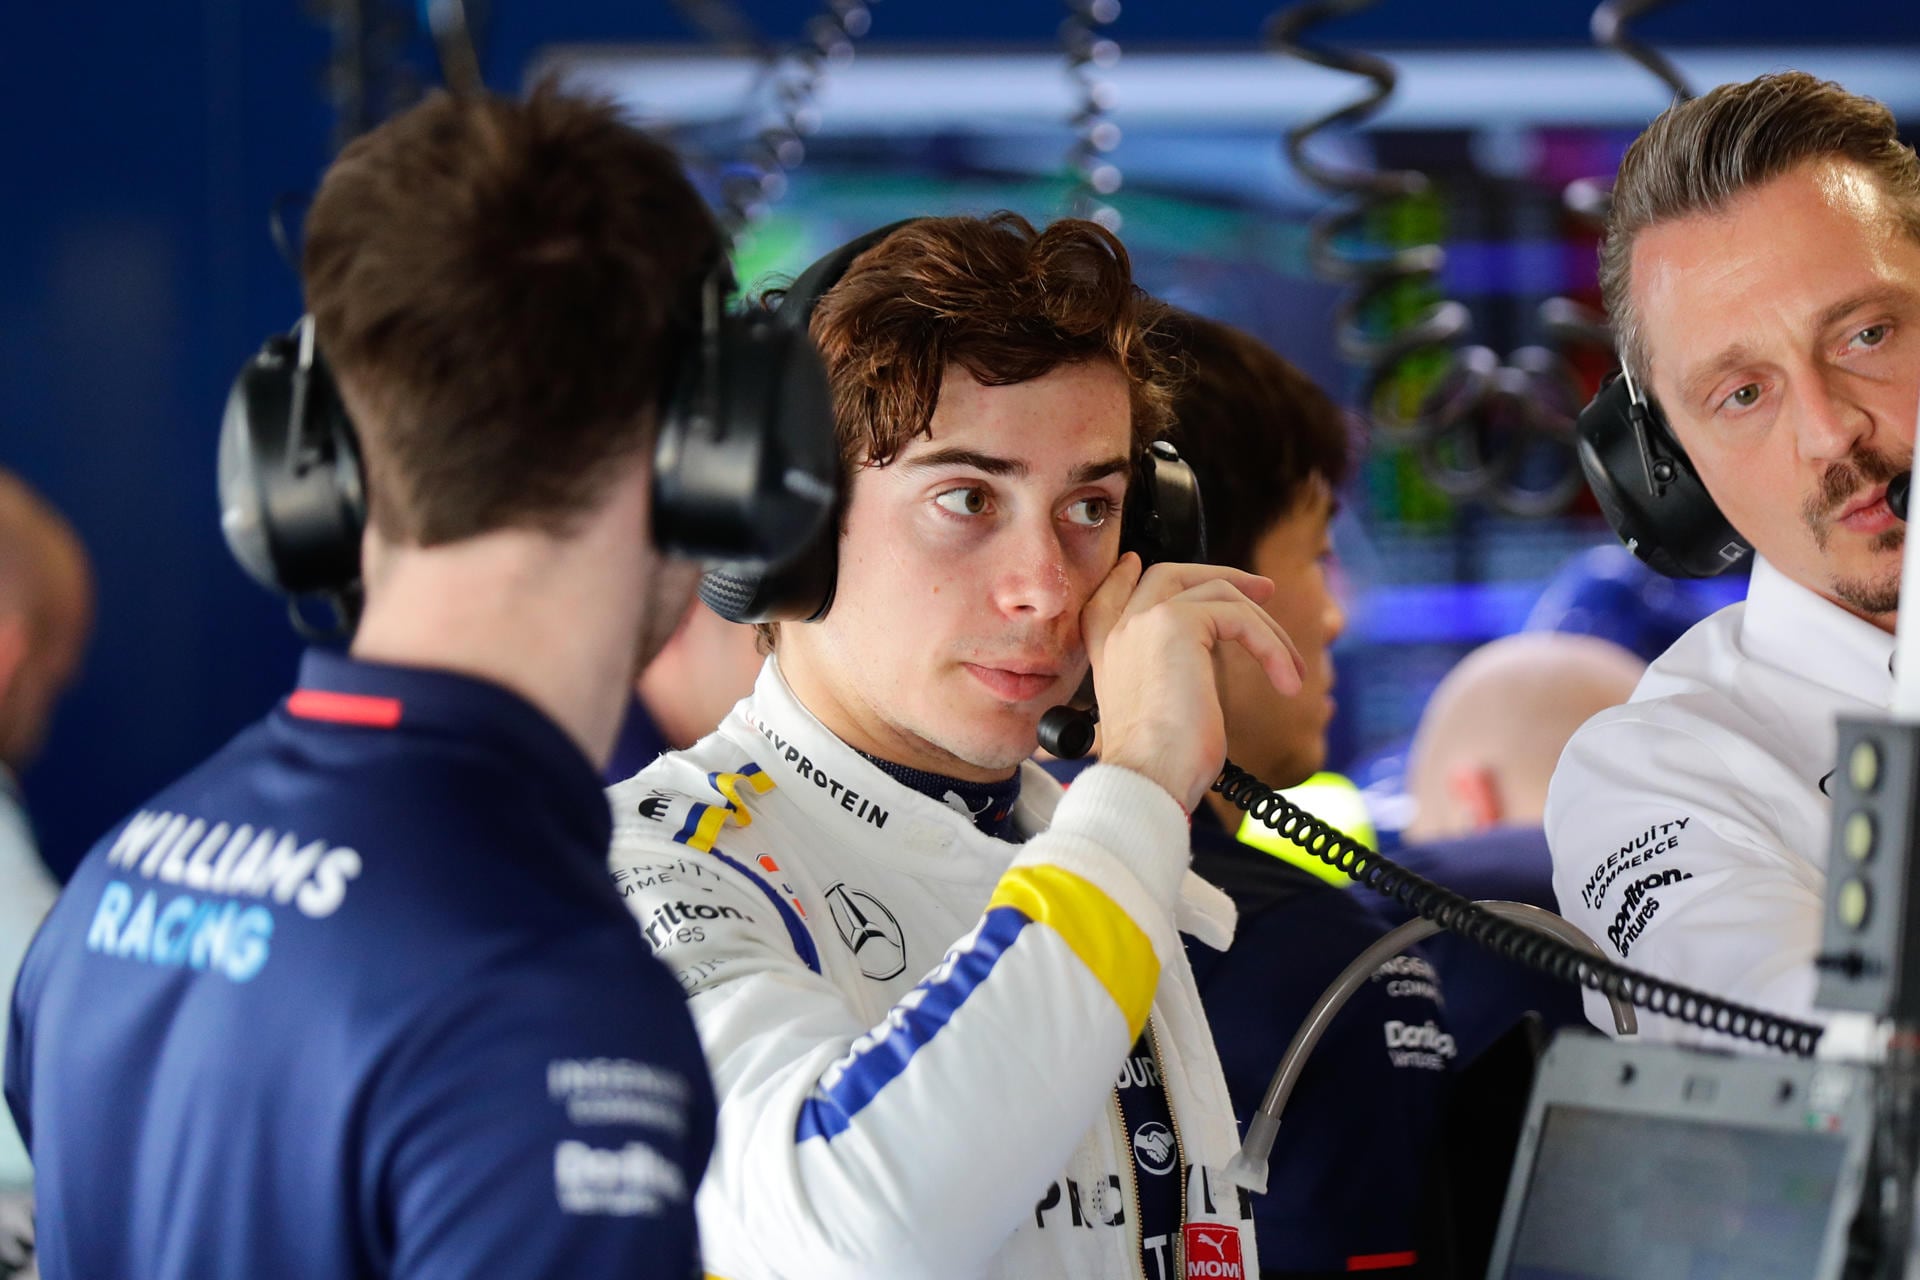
(1476, 793)
(13, 653)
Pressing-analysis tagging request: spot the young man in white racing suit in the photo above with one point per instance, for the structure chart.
(951, 1026)
(1762, 266)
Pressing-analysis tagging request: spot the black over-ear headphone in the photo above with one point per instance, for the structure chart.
(1163, 520)
(798, 588)
(1647, 488)
(745, 465)
(292, 496)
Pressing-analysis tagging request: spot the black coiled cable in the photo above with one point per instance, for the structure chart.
(1537, 950)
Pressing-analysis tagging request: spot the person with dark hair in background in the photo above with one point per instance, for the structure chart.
(46, 612)
(336, 1003)
(1346, 1183)
(1762, 269)
(950, 1021)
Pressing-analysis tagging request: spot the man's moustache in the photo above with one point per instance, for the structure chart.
(1842, 482)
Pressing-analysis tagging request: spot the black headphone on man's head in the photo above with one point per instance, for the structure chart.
(1648, 489)
(799, 586)
(745, 465)
(292, 496)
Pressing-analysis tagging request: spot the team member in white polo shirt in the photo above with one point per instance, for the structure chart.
(1762, 266)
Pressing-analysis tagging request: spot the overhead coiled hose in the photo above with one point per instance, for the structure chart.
(1090, 50)
(757, 177)
(1569, 323)
(1376, 276)
(1537, 950)
(1609, 29)
(1528, 400)
(1557, 391)
(728, 29)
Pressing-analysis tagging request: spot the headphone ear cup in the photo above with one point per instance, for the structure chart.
(1673, 525)
(1164, 519)
(745, 469)
(255, 421)
(799, 591)
(778, 387)
(292, 495)
(783, 380)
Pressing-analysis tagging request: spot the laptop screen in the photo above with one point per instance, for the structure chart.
(1625, 1197)
(1643, 1161)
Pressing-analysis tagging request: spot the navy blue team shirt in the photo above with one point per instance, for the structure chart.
(640, 743)
(1351, 1165)
(1489, 992)
(357, 998)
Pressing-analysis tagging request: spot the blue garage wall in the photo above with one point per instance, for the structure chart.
(139, 159)
(144, 145)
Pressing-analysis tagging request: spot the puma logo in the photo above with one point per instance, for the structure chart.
(1216, 1241)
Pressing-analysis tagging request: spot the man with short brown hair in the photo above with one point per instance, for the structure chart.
(950, 1021)
(334, 1004)
(1762, 265)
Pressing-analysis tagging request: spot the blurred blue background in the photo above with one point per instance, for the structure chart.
(146, 144)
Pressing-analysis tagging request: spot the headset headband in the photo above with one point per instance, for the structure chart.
(816, 282)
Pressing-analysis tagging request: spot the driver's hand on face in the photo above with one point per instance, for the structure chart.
(1152, 639)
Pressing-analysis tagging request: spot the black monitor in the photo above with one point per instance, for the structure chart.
(1642, 1161)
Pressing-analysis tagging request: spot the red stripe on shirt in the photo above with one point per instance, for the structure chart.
(344, 708)
(1381, 1261)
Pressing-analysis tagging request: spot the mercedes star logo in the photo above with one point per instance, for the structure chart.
(870, 932)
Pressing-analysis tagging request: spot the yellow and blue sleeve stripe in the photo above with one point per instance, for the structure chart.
(830, 1111)
(1115, 949)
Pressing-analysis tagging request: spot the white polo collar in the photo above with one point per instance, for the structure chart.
(1798, 630)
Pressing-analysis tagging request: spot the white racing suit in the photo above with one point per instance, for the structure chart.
(915, 1029)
